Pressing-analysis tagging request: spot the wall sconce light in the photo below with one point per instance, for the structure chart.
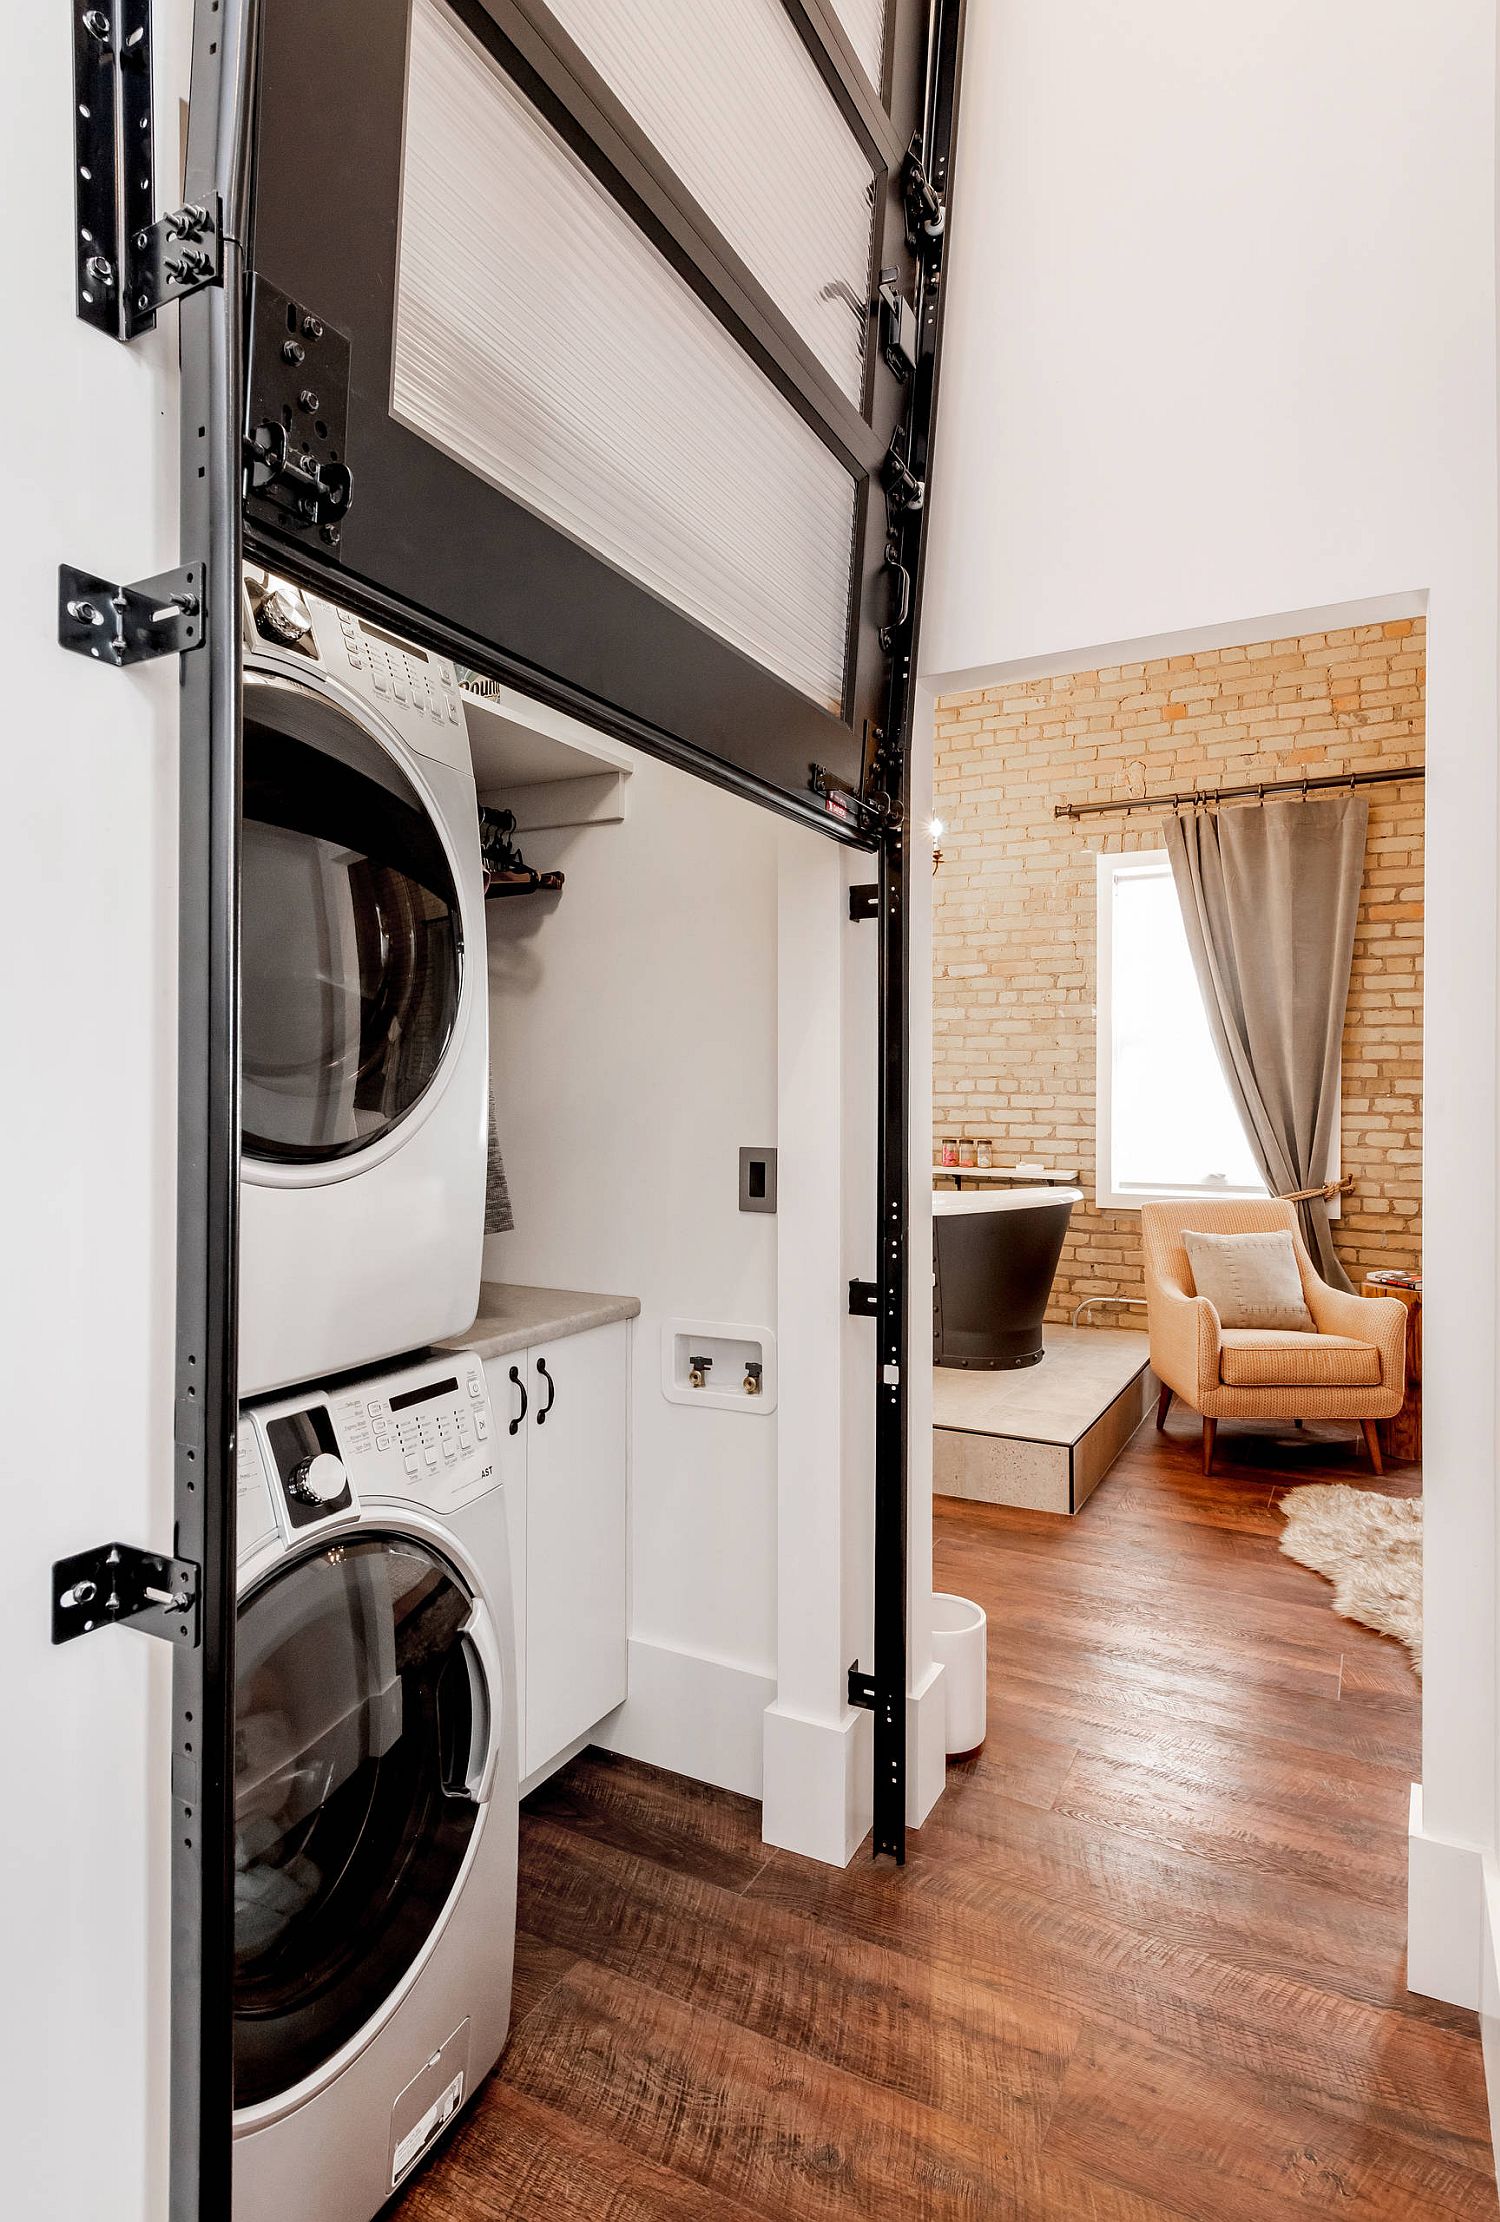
(935, 828)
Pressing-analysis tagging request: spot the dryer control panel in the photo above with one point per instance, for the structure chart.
(414, 689)
(418, 1434)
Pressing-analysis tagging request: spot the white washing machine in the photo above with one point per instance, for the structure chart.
(365, 1053)
(375, 1784)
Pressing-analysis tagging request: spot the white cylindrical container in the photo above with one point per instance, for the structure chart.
(960, 1642)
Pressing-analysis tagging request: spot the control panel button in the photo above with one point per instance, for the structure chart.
(476, 1390)
(481, 1426)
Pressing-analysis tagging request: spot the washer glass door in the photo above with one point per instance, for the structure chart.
(352, 937)
(363, 1718)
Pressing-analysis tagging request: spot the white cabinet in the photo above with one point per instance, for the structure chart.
(561, 1416)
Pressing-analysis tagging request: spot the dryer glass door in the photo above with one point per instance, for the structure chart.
(352, 940)
(362, 1726)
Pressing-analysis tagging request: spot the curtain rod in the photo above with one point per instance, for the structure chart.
(1386, 777)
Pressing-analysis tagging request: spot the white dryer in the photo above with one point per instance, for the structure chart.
(375, 1784)
(365, 1058)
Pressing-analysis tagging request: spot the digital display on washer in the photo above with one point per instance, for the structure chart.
(425, 1394)
(391, 641)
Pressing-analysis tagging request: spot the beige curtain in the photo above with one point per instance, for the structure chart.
(1270, 895)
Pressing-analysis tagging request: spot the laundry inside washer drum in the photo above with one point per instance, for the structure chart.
(352, 939)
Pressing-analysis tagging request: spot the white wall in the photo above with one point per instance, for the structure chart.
(87, 1017)
(633, 1031)
(1220, 345)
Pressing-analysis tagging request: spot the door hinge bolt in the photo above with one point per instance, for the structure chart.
(192, 263)
(96, 23)
(100, 269)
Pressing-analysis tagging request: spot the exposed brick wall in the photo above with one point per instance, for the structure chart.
(1014, 930)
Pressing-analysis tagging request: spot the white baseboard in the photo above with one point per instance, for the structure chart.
(926, 1746)
(696, 1716)
(816, 1798)
(1489, 2001)
(1445, 1914)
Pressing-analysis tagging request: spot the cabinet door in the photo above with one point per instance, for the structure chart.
(575, 1536)
(510, 1419)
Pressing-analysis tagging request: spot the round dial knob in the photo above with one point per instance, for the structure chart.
(283, 615)
(318, 1480)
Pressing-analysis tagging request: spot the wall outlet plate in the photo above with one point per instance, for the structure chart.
(757, 1179)
(731, 1350)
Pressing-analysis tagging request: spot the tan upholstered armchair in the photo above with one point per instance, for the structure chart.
(1353, 1368)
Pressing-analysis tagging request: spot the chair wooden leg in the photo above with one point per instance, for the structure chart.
(1372, 1444)
(1210, 1430)
(1163, 1407)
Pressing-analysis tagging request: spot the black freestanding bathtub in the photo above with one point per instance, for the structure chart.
(994, 1259)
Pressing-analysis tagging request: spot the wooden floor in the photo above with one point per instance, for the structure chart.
(1145, 1960)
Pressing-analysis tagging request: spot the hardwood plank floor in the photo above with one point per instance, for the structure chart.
(1144, 1963)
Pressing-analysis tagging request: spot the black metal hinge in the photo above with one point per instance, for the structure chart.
(864, 1299)
(130, 263)
(864, 901)
(115, 1584)
(130, 624)
(861, 1690)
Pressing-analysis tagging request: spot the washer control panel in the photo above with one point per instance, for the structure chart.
(424, 1434)
(414, 689)
(420, 1434)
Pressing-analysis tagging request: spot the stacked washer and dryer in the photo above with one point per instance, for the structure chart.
(375, 1738)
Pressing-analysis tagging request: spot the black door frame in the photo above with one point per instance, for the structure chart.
(206, 1394)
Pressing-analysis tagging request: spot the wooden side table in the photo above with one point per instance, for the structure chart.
(1401, 1438)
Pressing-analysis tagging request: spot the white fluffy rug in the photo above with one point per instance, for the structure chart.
(1370, 1548)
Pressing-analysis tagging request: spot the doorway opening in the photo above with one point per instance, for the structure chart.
(1201, 1563)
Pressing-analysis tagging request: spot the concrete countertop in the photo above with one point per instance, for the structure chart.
(511, 1317)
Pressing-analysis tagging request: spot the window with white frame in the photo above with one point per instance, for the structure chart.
(1167, 1124)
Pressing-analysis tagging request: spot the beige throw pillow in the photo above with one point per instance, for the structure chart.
(1251, 1280)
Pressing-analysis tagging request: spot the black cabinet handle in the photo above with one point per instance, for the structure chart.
(541, 1367)
(515, 1374)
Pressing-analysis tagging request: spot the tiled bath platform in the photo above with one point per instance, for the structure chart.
(1045, 1436)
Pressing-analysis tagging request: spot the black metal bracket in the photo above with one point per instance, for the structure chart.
(115, 1584)
(926, 212)
(122, 625)
(904, 491)
(861, 1690)
(298, 480)
(864, 901)
(868, 813)
(130, 263)
(174, 256)
(864, 1299)
(898, 326)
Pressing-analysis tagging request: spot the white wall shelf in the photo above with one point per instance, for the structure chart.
(551, 770)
